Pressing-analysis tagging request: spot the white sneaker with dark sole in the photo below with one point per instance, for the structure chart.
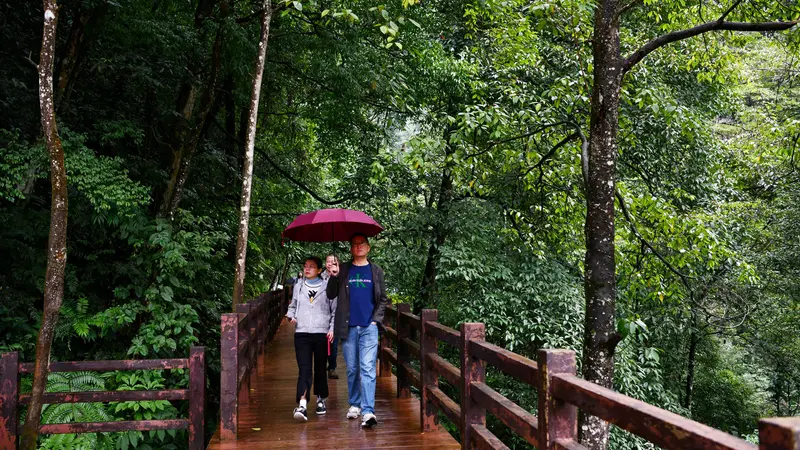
(369, 420)
(353, 412)
(300, 413)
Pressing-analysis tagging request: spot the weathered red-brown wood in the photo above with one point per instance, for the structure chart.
(512, 415)
(110, 365)
(108, 396)
(558, 420)
(390, 334)
(385, 363)
(413, 348)
(473, 370)
(444, 334)
(659, 426)
(403, 352)
(484, 439)
(413, 320)
(779, 433)
(246, 347)
(511, 363)
(445, 404)
(413, 376)
(430, 379)
(197, 397)
(444, 369)
(569, 444)
(9, 385)
(107, 427)
(229, 377)
(267, 423)
(391, 358)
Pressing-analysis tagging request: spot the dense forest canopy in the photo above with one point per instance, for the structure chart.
(466, 129)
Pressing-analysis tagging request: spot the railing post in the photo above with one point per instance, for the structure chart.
(557, 419)
(261, 306)
(779, 433)
(245, 335)
(229, 378)
(427, 374)
(9, 396)
(403, 353)
(197, 397)
(473, 370)
(385, 365)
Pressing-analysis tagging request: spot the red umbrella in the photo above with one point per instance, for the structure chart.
(330, 225)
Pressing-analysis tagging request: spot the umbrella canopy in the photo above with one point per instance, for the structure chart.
(331, 225)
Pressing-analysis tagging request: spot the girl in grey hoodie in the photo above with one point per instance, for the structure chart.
(313, 313)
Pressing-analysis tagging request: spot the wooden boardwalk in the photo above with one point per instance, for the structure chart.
(266, 422)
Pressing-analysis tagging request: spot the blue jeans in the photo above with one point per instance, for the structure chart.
(360, 356)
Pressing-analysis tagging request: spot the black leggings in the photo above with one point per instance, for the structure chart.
(306, 346)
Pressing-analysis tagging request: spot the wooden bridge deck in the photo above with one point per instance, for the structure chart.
(266, 422)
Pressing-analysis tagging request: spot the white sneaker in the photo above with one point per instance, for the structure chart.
(369, 420)
(353, 412)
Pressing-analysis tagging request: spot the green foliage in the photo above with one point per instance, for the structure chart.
(459, 127)
(76, 412)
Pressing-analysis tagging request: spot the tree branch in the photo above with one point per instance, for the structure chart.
(549, 154)
(644, 241)
(632, 4)
(514, 138)
(300, 184)
(716, 25)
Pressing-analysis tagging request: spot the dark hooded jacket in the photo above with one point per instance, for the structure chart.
(341, 292)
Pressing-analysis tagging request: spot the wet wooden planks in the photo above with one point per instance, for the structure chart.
(266, 422)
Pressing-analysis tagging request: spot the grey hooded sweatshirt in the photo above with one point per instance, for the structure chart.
(311, 308)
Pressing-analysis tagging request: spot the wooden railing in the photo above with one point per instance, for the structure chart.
(560, 393)
(10, 398)
(243, 336)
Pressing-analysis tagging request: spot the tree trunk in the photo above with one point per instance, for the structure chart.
(250, 142)
(188, 129)
(427, 289)
(57, 241)
(600, 338)
(187, 138)
(70, 64)
(687, 399)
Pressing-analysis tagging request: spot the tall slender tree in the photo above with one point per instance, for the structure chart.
(600, 337)
(250, 143)
(57, 240)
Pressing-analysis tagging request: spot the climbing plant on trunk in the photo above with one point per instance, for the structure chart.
(247, 171)
(600, 337)
(57, 240)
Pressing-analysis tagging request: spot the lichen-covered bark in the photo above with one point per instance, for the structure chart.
(57, 242)
(600, 284)
(250, 142)
(188, 128)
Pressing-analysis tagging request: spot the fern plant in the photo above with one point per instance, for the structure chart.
(77, 412)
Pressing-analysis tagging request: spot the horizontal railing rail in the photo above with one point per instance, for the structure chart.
(243, 336)
(560, 393)
(11, 399)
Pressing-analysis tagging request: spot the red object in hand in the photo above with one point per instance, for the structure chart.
(329, 346)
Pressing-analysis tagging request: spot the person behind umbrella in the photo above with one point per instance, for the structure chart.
(360, 291)
(331, 261)
(313, 312)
